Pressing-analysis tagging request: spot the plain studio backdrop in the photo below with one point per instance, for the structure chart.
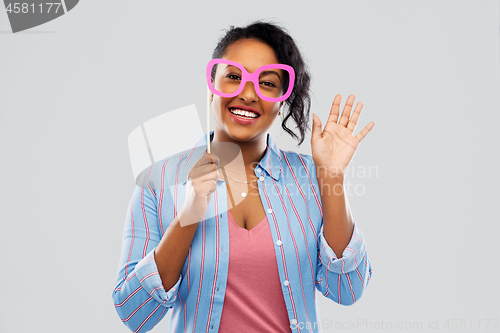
(424, 182)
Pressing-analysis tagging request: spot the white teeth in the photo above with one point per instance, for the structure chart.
(244, 113)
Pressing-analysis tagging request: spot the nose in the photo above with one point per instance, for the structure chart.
(248, 93)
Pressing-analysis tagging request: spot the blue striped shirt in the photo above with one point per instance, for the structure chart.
(290, 195)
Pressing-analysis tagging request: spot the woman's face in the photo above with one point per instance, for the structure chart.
(251, 54)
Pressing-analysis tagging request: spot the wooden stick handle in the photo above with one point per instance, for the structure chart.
(208, 120)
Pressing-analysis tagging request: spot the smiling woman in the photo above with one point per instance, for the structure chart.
(252, 266)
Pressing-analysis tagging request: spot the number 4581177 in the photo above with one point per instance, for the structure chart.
(22, 7)
(485, 324)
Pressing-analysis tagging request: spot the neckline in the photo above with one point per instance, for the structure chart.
(245, 229)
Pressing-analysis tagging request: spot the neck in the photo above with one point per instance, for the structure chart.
(252, 150)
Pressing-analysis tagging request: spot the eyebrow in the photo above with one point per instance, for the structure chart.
(271, 72)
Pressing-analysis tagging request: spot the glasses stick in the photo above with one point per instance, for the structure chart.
(208, 119)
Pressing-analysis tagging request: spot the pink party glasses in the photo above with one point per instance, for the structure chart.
(269, 81)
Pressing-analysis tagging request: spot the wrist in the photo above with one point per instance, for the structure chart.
(334, 173)
(331, 186)
(185, 218)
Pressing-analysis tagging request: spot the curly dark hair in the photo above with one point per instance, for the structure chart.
(287, 52)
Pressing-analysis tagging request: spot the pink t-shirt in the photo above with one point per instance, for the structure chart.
(253, 301)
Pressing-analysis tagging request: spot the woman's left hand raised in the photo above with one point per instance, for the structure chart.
(334, 147)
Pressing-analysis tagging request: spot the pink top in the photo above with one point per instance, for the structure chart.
(253, 301)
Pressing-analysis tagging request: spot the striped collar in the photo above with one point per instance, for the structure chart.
(271, 162)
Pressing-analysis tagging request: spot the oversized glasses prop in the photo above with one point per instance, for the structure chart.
(231, 77)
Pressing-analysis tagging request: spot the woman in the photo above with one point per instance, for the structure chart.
(249, 260)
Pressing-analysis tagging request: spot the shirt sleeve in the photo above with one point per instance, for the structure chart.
(139, 297)
(344, 279)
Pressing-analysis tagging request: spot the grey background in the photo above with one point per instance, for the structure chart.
(427, 72)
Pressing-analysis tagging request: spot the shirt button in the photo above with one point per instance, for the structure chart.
(257, 169)
(279, 242)
(286, 283)
(261, 178)
(269, 210)
(293, 321)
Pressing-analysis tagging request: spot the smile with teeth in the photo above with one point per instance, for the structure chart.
(244, 113)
